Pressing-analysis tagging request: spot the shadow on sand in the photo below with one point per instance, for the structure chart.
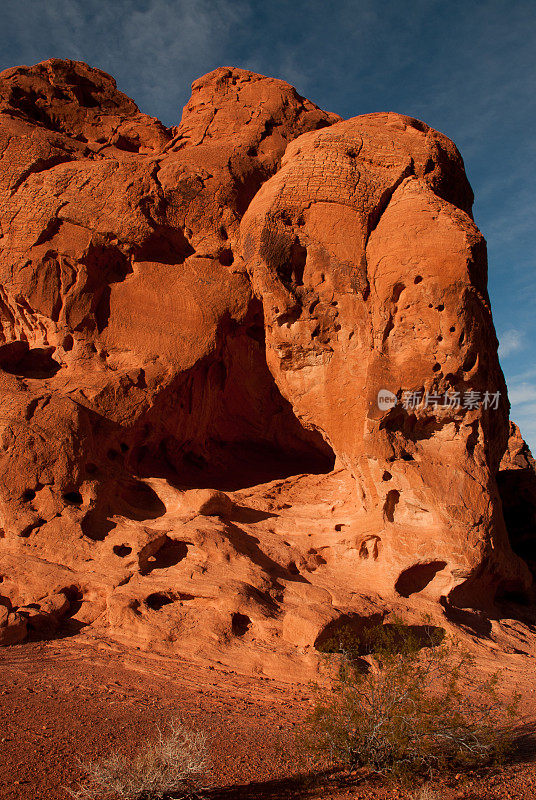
(306, 785)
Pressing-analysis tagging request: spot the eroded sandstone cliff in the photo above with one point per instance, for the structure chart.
(195, 326)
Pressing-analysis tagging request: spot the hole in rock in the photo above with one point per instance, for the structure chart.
(386, 476)
(398, 288)
(370, 548)
(314, 560)
(430, 166)
(169, 554)
(165, 245)
(122, 550)
(35, 606)
(416, 578)
(126, 144)
(28, 495)
(133, 499)
(223, 424)
(240, 624)
(73, 498)
(96, 526)
(417, 279)
(68, 343)
(158, 600)
(441, 307)
(36, 363)
(364, 635)
(436, 367)
(226, 257)
(105, 265)
(291, 272)
(32, 527)
(390, 504)
(470, 362)
(73, 593)
(124, 496)
(347, 631)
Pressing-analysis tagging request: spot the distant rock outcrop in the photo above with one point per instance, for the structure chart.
(195, 324)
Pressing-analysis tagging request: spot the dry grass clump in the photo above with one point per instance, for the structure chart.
(417, 708)
(427, 793)
(175, 765)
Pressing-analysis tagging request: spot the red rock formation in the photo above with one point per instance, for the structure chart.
(215, 307)
(373, 276)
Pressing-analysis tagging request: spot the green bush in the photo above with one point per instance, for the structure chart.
(414, 707)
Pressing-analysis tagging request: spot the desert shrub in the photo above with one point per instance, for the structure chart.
(414, 707)
(174, 766)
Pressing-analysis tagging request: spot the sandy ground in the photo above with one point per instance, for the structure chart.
(80, 698)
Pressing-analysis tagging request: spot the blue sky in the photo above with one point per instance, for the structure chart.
(466, 68)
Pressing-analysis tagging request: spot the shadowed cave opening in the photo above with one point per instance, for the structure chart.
(366, 634)
(125, 496)
(36, 362)
(158, 600)
(416, 578)
(224, 424)
(240, 624)
(169, 553)
(517, 488)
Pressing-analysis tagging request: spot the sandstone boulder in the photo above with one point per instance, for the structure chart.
(45, 616)
(13, 627)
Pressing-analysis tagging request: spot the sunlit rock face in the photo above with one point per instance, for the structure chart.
(195, 326)
(373, 276)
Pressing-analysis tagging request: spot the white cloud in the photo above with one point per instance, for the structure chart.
(511, 341)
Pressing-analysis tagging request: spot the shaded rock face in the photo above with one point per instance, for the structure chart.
(517, 487)
(195, 324)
